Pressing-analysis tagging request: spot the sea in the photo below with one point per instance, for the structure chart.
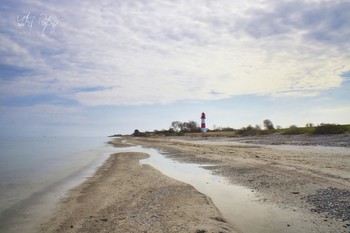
(37, 172)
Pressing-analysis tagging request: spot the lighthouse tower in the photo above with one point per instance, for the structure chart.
(203, 127)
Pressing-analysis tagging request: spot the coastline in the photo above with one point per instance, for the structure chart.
(124, 196)
(313, 181)
(33, 181)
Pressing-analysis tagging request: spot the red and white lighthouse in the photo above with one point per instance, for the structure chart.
(203, 127)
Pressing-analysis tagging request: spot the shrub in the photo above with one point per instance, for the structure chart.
(293, 130)
(330, 129)
(226, 129)
(248, 131)
(309, 125)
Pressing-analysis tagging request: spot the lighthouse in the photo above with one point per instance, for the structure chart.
(203, 128)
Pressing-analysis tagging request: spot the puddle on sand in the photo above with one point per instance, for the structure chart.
(238, 204)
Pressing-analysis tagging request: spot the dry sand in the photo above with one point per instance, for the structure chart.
(124, 196)
(311, 180)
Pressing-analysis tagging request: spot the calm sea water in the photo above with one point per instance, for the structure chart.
(35, 172)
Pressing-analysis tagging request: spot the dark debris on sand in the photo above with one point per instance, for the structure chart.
(332, 201)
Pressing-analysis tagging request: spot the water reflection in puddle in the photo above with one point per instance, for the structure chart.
(238, 204)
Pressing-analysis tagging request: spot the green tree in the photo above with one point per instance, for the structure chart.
(190, 126)
(193, 126)
(268, 124)
(309, 125)
(136, 132)
(176, 125)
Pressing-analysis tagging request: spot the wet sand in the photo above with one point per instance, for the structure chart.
(124, 196)
(312, 181)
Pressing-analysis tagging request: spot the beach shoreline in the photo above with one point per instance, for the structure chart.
(33, 181)
(124, 196)
(305, 179)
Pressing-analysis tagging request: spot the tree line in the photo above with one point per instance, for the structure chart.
(178, 128)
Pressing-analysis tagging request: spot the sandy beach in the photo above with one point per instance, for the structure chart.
(313, 181)
(124, 196)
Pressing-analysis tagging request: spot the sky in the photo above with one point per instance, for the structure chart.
(96, 68)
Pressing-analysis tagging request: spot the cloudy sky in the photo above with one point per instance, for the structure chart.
(102, 67)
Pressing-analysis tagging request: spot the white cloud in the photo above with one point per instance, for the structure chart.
(164, 51)
(336, 110)
(340, 115)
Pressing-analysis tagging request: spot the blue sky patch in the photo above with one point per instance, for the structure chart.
(9, 72)
(346, 74)
(37, 100)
